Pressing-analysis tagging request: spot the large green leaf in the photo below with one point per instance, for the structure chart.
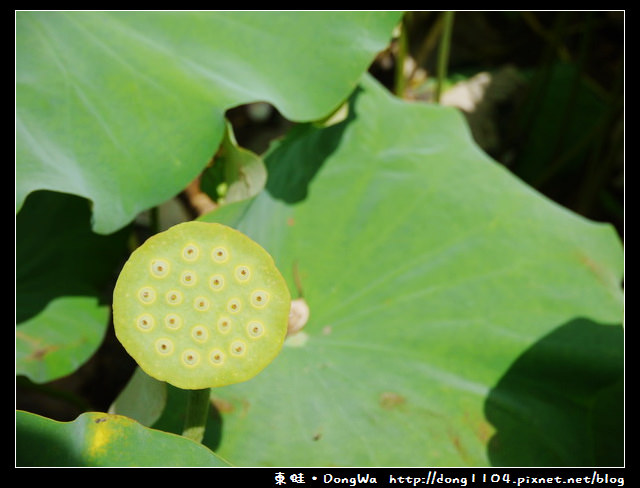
(126, 108)
(103, 440)
(452, 307)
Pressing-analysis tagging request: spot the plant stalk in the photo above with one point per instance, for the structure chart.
(400, 81)
(443, 53)
(197, 412)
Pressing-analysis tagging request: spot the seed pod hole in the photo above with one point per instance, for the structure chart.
(147, 295)
(190, 357)
(224, 324)
(216, 282)
(238, 348)
(145, 322)
(164, 346)
(174, 297)
(200, 333)
(159, 268)
(259, 298)
(216, 357)
(201, 304)
(188, 278)
(220, 254)
(173, 321)
(190, 252)
(255, 329)
(242, 273)
(234, 305)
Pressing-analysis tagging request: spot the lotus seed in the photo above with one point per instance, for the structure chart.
(234, 305)
(216, 357)
(220, 255)
(255, 329)
(174, 297)
(259, 298)
(214, 329)
(147, 295)
(164, 346)
(173, 321)
(200, 333)
(224, 325)
(145, 322)
(216, 282)
(190, 252)
(238, 348)
(242, 273)
(188, 278)
(190, 357)
(201, 304)
(159, 268)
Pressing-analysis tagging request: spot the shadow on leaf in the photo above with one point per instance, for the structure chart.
(561, 402)
(57, 254)
(307, 148)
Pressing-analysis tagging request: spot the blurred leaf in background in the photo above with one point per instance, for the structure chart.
(542, 92)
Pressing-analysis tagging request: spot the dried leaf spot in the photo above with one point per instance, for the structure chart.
(174, 297)
(188, 278)
(220, 254)
(147, 295)
(216, 357)
(160, 268)
(164, 346)
(201, 304)
(234, 305)
(200, 333)
(255, 329)
(173, 321)
(216, 282)
(243, 273)
(238, 348)
(390, 400)
(190, 252)
(145, 322)
(190, 357)
(39, 354)
(222, 406)
(259, 298)
(224, 325)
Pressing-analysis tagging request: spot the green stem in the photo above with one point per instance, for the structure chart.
(400, 81)
(197, 412)
(443, 53)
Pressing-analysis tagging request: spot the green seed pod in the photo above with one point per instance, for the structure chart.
(201, 305)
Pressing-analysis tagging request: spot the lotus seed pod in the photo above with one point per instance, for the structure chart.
(201, 305)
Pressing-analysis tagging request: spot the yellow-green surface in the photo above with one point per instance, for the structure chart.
(201, 305)
(97, 439)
